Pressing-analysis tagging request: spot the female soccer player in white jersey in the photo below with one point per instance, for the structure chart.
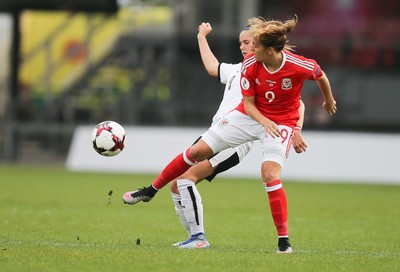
(271, 82)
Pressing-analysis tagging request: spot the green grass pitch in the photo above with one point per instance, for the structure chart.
(55, 220)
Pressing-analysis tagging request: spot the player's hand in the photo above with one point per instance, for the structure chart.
(271, 128)
(298, 142)
(205, 29)
(330, 107)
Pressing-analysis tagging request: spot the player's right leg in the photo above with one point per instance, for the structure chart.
(179, 165)
(233, 130)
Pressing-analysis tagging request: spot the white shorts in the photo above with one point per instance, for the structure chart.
(237, 128)
(241, 150)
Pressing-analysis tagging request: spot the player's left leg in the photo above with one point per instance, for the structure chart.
(228, 158)
(193, 210)
(278, 205)
(275, 153)
(177, 199)
(208, 169)
(196, 173)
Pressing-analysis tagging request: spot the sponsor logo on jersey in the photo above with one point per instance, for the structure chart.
(245, 83)
(270, 82)
(286, 83)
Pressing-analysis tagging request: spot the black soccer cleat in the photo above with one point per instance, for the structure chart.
(284, 246)
(145, 194)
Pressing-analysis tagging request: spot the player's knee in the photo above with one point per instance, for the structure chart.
(200, 152)
(269, 177)
(270, 171)
(196, 154)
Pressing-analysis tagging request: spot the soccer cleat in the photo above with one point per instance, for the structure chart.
(284, 246)
(178, 243)
(181, 242)
(196, 241)
(145, 194)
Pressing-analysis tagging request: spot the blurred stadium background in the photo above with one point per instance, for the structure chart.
(137, 62)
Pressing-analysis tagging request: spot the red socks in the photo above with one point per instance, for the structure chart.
(278, 205)
(174, 169)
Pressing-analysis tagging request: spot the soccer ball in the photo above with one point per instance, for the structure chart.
(108, 138)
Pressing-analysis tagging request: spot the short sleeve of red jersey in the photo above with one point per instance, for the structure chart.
(317, 72)
(246, 81)
(307, 63)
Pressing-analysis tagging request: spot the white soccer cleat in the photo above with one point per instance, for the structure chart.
(181, 242)
(197, 241)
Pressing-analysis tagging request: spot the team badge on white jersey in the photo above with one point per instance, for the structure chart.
(286, 83)
(223, 122)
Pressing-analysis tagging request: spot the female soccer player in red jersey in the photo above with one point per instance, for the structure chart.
(186, 198)
(271, 82)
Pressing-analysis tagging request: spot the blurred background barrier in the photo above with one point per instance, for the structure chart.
(373, 156)
(137, 62)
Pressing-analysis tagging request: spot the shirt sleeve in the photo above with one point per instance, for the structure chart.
(317, 71)
(246, 81)
(226, 71)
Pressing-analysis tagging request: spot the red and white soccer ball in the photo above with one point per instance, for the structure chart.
(108, 138)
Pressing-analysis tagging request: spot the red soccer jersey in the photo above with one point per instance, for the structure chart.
(277, 94)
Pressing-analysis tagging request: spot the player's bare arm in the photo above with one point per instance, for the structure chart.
(210, 62)
(270, 127)
(299, 144)
(329, 104)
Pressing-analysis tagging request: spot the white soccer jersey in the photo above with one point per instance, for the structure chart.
(229, 74)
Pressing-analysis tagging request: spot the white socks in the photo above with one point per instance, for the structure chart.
(179, 211)
(192, 205)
